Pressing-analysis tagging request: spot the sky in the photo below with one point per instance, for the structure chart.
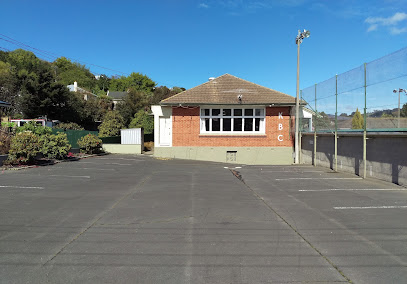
(184, 42)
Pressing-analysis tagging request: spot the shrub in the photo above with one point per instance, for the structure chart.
(143, 120)
(90, 144)
(111, 125)
(55, 146)
(69, 125)
(5, 139)
(24, 147)
(34, 128)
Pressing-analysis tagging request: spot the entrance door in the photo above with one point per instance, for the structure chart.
(165, 131)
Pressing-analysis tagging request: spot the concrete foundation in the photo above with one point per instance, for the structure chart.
(122, 149)
(236, 155)
(386, 155)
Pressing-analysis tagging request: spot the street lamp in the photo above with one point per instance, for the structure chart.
(398, 111)
(298, 41)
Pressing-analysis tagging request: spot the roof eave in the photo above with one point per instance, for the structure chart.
(235, 104)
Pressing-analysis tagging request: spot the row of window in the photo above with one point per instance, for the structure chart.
(237, 120)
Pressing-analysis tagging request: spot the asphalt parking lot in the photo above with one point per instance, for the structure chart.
(135, 219)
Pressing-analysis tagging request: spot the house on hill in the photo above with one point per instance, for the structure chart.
(86, 94)
(226, 119)
(116, 97)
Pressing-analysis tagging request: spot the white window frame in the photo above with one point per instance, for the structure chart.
(262, 128)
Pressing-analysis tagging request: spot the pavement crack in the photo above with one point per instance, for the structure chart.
(239, 176)
(99, 216)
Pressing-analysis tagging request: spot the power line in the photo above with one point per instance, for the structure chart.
(52, 56)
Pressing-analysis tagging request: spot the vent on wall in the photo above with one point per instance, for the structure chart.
(231, 156)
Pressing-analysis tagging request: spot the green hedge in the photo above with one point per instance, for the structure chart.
(74, 135)
(111, 140)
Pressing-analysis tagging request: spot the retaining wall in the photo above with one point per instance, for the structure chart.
(386, 154)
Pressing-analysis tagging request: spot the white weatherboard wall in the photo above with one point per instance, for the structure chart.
(162, 126)
(132, 142)
(131, 136)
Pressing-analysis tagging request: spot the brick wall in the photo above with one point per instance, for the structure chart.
(186, 131)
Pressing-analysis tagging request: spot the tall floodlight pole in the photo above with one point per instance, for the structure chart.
(298, 41)
(398, 109)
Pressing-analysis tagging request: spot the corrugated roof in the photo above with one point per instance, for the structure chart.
(225, 90)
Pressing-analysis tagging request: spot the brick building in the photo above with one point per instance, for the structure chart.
(226, 119)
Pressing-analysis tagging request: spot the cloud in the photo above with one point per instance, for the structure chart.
(397, 31)
(203, 5)
(240, 7)
(391, 22)
(372, 28)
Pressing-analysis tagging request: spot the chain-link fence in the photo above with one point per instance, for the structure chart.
(372, 97)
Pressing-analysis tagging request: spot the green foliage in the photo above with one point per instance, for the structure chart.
(357, 120)
(111, 125)
(132, 103)
(403, 111)
(162, 92)
(322, 121)
(6, 125)
(136, 81)
(34, 128)
(143, 120)
(55, 146)
(24, 147)
(68, 72)
(69, 125)
(5, 139)
(90, 144)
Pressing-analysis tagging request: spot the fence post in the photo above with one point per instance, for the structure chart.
(300, 134)
(315, 128)
(364, 131)
(336, 123)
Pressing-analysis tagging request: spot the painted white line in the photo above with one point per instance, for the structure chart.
(293, 171)
(225, 167)
(238, 167)
(69, 176)
(15, 186)
(356, 189)
(372, 207)
(120, 159)
(312, 178)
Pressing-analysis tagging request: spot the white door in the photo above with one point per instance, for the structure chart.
(165, 131)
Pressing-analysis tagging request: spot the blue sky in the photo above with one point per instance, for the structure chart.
(184, 42)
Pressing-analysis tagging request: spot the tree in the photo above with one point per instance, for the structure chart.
(162, 92)
(357, 120)
(136, 81)
(133, 102)
(68, 72)
(142, 119)
(111, 125)
(322, 121)
(403, 110)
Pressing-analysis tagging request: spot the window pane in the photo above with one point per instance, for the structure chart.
(257, 124)
(227, 112)
(259, 112)
(215, 112)
(215, 124)
(248, 112)
(227, 124)
(237, 124)
(248, 124)
(207, 124)
(205, 112)
(237, 112)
